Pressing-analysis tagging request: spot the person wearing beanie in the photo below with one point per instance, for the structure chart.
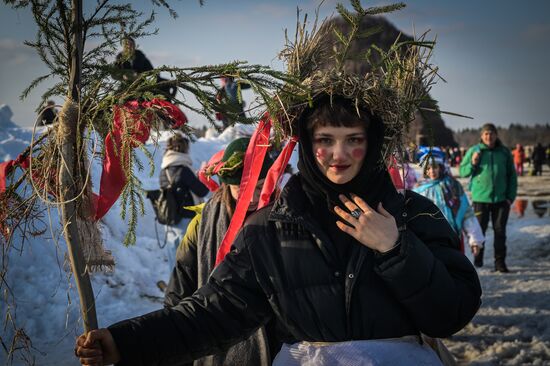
(196, 256)
(493, 184)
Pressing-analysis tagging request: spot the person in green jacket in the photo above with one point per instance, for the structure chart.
(493, 184)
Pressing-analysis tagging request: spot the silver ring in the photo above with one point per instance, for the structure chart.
(356, 213)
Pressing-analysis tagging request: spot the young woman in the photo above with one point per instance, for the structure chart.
(196, 256)
(449, 196)
(340, 262)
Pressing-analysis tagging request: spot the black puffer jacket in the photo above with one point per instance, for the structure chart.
(282, 265)
(185, 182)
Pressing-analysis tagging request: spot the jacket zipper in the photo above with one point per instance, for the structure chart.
(351, 279)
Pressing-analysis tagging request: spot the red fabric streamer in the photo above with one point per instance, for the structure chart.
(7, 166)
(275, 172)
(171, 111)
(5, 202)
(253, 161)
(5, 169)
(206, 180)
(393, 169)
(127, 120)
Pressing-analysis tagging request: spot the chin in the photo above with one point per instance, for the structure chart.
(340, 179)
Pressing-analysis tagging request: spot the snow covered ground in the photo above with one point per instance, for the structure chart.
(512, 326)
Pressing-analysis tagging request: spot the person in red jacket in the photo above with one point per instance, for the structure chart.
(519, 159)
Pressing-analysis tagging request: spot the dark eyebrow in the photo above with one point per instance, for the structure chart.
(323, 134)
(320, 134)
(356, 134)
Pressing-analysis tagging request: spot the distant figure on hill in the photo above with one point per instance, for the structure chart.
(494, 187)
(133, 62)
(538, 157)
(49, 114)
(229, 96)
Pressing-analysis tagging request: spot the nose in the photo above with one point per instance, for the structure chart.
(339, 152)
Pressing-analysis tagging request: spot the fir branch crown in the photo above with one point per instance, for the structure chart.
(397, 83)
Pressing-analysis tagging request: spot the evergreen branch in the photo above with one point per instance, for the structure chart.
(33, 85)
(384, 9)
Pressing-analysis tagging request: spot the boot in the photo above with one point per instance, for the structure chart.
(500, 266)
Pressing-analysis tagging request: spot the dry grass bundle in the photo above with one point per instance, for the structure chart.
(394, 87)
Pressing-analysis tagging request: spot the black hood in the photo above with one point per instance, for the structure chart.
(372, 183)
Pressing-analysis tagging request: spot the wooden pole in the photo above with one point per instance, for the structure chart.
(70, 184)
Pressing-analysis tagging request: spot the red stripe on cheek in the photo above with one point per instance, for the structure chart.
(358, 153)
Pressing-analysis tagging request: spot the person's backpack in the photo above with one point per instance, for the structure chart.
(168, 203)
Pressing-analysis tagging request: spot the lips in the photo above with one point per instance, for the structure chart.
(339, 168)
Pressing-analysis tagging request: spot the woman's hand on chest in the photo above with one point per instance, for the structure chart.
(375, 229)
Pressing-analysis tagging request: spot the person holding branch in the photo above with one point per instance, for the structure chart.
(349, 269)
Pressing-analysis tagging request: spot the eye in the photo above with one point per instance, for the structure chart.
(323, 141)
(356, 140)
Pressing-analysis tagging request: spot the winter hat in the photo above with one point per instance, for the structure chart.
(233, 162)
(489, 127)
(431, 155)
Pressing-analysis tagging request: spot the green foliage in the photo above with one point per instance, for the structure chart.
(103, 86)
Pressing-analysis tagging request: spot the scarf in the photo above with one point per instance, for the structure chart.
(173, 158)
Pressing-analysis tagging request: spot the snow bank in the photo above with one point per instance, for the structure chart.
(45, 294)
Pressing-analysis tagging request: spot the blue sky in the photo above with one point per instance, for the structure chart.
(494, 54)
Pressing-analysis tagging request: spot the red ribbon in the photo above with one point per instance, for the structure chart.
(207, 180)
(275, 172)
(127, 120)
(7, 166)
(5, 169)
(396, 179)
(253, 161)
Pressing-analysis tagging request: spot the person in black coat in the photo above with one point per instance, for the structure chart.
(538, 156)
(131, 60)
(340, 258)
(176, 172)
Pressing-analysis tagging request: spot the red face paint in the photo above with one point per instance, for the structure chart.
(358, 153)
(321, 153)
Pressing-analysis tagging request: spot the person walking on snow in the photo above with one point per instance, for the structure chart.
(449, 196)
(493, 184)
(519, 159)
